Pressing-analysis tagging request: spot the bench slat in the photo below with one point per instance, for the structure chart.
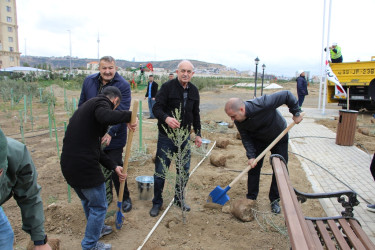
(299, 234)
(315, 235)
(338, 236)
(295, 231)
(356, 243)
(325, 235)
(362, 236)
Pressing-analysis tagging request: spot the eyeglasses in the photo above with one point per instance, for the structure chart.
(183, 71)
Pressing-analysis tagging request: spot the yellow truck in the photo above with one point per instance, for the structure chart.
(357, 78)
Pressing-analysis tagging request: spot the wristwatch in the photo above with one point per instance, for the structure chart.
(297, 114)
(41, 242)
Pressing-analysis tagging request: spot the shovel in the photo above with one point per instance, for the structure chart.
(219, 195)
(119, 216)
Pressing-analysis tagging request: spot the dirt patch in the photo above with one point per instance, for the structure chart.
(206, 228)
(364, 132)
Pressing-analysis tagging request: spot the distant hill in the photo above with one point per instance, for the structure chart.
(64, 62)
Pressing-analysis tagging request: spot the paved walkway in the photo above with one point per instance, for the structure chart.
(348, 164)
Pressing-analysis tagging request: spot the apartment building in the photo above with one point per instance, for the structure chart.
(9, 49)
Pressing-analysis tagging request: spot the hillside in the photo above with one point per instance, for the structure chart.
(64, 62)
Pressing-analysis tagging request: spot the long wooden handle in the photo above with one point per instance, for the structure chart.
(264, 151)
(127, 150)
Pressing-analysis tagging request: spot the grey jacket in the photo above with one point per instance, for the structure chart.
(264, 122)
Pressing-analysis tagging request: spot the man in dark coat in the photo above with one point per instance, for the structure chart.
(152, 89)
(115, 138)
(259, 123)
(82, 155)
(178, 93)
(301, 87)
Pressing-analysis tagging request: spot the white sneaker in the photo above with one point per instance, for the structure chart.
(105, 231)
(371, 207)
(102, 246)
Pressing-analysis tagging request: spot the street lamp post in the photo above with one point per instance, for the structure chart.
(70, 49)
(256, 75)
(263, 67)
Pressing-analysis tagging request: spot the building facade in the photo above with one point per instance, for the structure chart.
(9, 49)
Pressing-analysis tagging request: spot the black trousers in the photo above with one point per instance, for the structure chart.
(116, 156)
(280, 148)
(372, 167)
(337, 60)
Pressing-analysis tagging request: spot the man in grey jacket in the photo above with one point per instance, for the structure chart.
(259, 122)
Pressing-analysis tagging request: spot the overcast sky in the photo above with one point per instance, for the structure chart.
(285, 35)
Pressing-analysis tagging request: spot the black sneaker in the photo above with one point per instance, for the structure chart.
(127, 205)
(275, 207)
(155, 210)
(182, 205)
(371, 207)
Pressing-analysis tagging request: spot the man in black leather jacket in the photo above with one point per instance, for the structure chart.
(178, 93)
(259, 122)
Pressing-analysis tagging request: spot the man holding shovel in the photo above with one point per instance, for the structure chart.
(259, 122)
(82, 155)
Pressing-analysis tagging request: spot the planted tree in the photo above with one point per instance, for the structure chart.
(179, 137)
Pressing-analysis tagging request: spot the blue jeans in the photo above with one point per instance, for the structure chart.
(6, 232)
(151, 104)
(95, 206)
(166, 145)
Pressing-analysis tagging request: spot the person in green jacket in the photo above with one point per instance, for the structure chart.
(335, 52)
(18, 178)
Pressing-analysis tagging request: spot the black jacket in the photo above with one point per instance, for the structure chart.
(81, 152)
(170, 97)
(264, 122)
(90, 89)
(154, 89)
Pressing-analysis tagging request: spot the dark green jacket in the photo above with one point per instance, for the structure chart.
(19, 180)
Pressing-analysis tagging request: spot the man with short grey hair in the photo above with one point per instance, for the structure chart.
(178, 93)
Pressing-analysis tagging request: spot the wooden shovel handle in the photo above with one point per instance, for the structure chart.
(128, 148)
(265, 151)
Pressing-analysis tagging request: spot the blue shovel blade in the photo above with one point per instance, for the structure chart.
(219, 195)
(119, 216)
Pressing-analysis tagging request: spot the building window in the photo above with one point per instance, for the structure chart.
(10, 29)
(11, 49)
(9, 19)
(9, 9)
(10, 39)
(11, 58)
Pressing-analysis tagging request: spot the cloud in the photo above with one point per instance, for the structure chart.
(285, 35)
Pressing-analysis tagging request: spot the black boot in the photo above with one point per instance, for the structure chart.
(127, 205)
(155, 210)
(182, 205)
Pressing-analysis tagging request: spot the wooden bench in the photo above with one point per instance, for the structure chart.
(339, 232)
